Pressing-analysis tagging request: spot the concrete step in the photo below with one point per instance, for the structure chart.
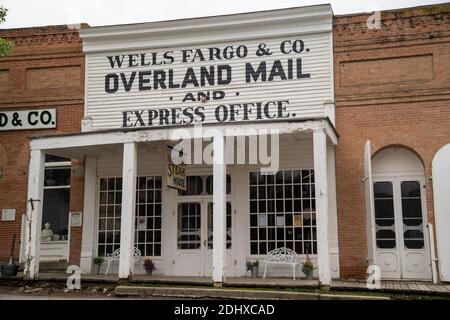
(53, 266)
(198, 293)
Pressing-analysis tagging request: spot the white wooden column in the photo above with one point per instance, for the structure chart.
(321, 187)
(89, 204)
(126, 263)
(35, 198)
(219, 211)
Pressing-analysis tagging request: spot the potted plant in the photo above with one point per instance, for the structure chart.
(98, 261)
(253, 266)
(308, 268)
(149, 266)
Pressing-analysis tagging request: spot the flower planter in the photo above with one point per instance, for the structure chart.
(97, 268)
(255, 271)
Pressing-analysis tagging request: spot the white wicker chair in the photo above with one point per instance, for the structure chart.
(282, 256)
(115, 256)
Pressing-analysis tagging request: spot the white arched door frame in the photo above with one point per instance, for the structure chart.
(441, 195)
(402, 262)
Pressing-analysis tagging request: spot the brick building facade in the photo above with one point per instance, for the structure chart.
(45, 70)
(391, 86)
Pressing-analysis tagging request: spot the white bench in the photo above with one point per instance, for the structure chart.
(282, 256)
(115, 256)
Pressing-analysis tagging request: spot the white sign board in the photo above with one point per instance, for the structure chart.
(176, 176)
(284, 76)
(75, 219)
(28, 119)
(8, 214)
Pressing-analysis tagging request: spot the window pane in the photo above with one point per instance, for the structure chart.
(51, 158)
(410, 189)
(188, 229)
(194, 186)
(412, 215)
(209, 184)
(384, 208)
(412, 208)
(382, 190)
(57, 177)
(384, 215)
(210, 225)
(56, 211)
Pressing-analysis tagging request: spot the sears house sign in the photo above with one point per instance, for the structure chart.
(28, 119)
(274, 65)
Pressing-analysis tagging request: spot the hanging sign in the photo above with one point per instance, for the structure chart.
(28, 119)
(176, 176)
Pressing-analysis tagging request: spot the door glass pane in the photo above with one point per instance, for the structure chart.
(189, 226)
(56, 211)
(412, 215)
(384, 215)
(210, 225)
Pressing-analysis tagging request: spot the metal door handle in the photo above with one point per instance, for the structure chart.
(204, 243)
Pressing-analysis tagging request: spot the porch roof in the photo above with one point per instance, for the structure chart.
(76, 145)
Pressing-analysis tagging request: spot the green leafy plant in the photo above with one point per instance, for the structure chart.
(5, 45)
(308, 267)
(98, 260)
(251, 264)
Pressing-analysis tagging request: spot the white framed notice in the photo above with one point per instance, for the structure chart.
(8, 214)
(141, 225)
(262, 220)
(279, 220)
(75, 219)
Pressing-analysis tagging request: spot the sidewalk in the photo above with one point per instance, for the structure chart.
(242, 283)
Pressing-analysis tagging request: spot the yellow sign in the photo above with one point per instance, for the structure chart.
(176, 176)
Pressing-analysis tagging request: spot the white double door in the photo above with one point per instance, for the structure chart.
(402, 246)
(194, 237)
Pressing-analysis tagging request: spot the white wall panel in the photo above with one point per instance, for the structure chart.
(306, 95)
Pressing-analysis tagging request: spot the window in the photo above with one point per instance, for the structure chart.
(210, 225)
(384, 215)
(56, 202)
(109, 215)
(412, 215)
(148, 215)
(201, 185)
(189, 225)
(282, 212)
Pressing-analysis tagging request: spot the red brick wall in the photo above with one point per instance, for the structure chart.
(392, 87)
(45, 70)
